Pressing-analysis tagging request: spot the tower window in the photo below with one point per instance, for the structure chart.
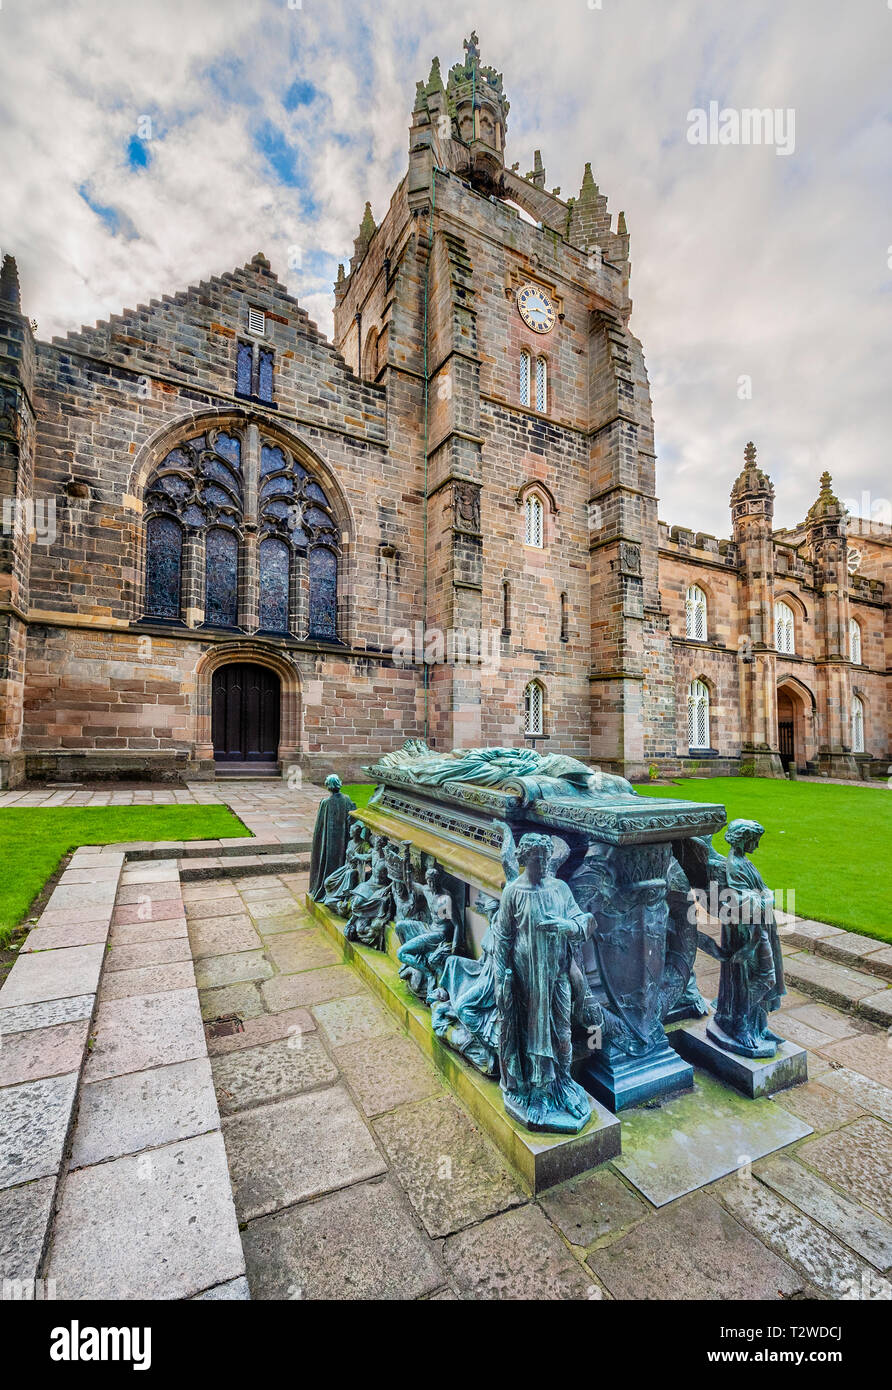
(698, 715)
(784, 638)
(524, 377)
(254, 372)
(854, 642)
(257, 322)
(534, 515)
(695, 614)
(857, 726)
(533, 709)
(541, 385)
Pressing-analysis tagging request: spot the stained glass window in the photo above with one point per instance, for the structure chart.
(229, 448)
(274, 570)
(164, 563)
(244, 368)
(323, 568)
(221, 600)
(272, 459)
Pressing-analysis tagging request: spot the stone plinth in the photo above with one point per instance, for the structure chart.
(753, 1076)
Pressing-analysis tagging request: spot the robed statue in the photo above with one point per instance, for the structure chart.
(534, 932)
(329, 835)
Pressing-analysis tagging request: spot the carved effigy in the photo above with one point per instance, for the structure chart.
(329, 835)
(428, 944)
(371, 908)
(751, 977)
(337, 889)
(466, 1014)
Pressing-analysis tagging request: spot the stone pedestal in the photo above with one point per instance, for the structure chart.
(622, 1081)
(753, 1076)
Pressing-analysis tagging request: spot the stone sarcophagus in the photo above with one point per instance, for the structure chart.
(541, 907)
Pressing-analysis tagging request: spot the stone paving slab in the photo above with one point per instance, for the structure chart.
(386, 1072)
(23, 1017)
(291, 952)
(163, 951)
(160, 1225)
(312, 987)
(24, 1217)
(148, 979)
(214, 907)
(870, 1054)
(243, 1000)
(137, 893)
(359, 1243)
(354, 1019)
(696, 1138)
(222, 936)
(142, 1110)
(289, 1150)
(135, 933)
(271, 1071)
(154, 910)
(453, 1175)
(58, 974)
(862, 1091)
(34, 1120)
(819, 1106)
(214, 971)
(82, 895)
(516, 1255)
(867, 1235)
(70, 934)
(693, 1249)
(826, 1264)
(42, 1052)
(857, 1159)
(591, 1207)
(274, 907)
(830, 1022)
(288, 923)
(148, 1030)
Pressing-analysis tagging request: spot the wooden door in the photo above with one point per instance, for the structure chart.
(245, 714)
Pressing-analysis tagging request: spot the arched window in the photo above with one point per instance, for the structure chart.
(695, 613)
(784, 638)
(854, 642)
(541, 385)
(534, 521)
(195, 498)
(524, 377)
(698, 715)
(857, 725)
(534, 709)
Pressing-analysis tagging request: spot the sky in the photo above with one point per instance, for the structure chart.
(148, 144)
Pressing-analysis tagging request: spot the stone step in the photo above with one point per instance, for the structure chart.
(846, 947)
(201, 849)
(856, 991)
(242, 866)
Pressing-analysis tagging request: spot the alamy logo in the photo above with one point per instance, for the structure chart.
(747, 126)
(76, 1343)
(31, 517)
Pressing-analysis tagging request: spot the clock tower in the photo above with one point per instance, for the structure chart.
(496, 313)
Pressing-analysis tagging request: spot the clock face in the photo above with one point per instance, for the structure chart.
(536, 309)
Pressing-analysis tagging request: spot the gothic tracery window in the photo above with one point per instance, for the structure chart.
(195, 506)
(524, 383)
(534, 521)
(541, 385)
(698, 714)
(854, 642)
(857, 725)
(784, 631)
(695, 613)
(534, 709)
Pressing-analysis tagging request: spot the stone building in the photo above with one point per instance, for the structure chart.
(229, 545)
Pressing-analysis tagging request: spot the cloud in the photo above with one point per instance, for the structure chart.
(147, 145)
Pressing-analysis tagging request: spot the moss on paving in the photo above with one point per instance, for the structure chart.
(33, 841)
(826, 843)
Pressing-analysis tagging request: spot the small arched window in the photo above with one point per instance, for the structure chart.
(506, 607)
(565, 619)
(857, 725)
(541, 385)
(784, 638)
(854, 642)
(533, 709)
(534, 521)
(698, 715)
(695, 613)
(524, 377)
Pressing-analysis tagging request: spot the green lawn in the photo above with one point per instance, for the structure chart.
(33, 841)
(828, 844)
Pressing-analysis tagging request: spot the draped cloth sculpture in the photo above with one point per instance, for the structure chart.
(537, 920)
(751, 981)
(329, 836)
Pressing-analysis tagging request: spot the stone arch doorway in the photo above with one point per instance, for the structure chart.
(245, 714)
(253, 653)
(795, 706)
(786, 729)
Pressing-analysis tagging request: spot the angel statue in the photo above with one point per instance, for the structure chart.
(534, 932)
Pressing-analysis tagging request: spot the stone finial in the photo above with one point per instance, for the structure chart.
(751, 482)
(9, 283)
(435, 81)
(749, 455)
(589, 189)
(621, 228)
(471, 47)
(260, 261)
(827, 505)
